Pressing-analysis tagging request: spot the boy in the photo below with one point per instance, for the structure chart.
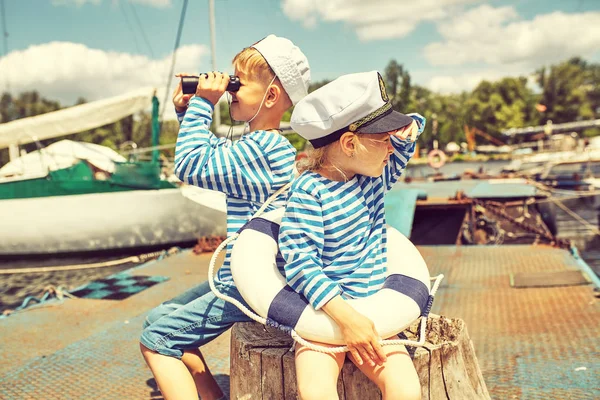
(274, 75)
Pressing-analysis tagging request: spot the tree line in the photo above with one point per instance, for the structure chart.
(564, 92)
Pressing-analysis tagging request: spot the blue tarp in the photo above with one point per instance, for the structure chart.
(400, 202)
(479, 189)
(400, 209)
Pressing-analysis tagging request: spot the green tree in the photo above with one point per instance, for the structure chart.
(495, 106)
(569, 91)
(397, 82)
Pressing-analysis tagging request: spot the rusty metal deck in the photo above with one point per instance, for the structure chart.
(533, 343)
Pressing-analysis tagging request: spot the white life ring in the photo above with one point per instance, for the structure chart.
(406, 294)
(436, 158)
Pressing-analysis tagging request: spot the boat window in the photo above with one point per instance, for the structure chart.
(567, 169)
(595, 168)
(530, 165)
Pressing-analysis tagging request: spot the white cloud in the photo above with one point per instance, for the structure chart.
(66, 71)
(154, 3)
(497, 36)
(375, 19)
(77, 3)
(462, 81)
(456, 80)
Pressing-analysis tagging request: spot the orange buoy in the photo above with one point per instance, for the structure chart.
(436, 158)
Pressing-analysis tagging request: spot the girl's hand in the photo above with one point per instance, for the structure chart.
(212, 85)
(362, 340)
(358, 331)
(408, 132)
(180, 100)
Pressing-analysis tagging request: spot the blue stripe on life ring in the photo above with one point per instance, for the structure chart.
(411, 287)
(287, 307)
(262, 225)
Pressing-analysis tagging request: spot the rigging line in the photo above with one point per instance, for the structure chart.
(137, 46)
(5, 39)
(4, 30)
(170, 76)
(137, 19)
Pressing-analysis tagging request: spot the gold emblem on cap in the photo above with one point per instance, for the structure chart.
(352, 127)
(384, 94)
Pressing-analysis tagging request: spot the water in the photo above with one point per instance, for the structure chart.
(16, 287)
(457, 168)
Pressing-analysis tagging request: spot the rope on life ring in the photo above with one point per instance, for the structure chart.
(436, 158)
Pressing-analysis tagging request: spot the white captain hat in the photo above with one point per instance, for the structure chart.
(356, 102)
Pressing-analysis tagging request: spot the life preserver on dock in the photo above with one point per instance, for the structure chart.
(436, 158)
(405, 295)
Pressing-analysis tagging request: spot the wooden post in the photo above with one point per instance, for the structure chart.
(262, 365)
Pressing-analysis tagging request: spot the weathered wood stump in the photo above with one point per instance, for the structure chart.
(262, 365)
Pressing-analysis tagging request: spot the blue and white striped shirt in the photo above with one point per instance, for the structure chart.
(248, 171)
(333, 234)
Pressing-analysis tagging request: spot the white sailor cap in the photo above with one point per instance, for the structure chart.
(289, 64)
(356, 102)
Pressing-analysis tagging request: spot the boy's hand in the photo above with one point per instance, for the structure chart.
(180, 100)
(410, 132)
(212, 85)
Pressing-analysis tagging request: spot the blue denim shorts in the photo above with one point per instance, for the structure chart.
(191, 320)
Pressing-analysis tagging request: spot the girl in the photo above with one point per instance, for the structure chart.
(333, 233)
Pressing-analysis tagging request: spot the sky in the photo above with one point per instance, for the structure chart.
(95, 49)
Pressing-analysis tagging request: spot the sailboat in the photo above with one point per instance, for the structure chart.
(74, 197)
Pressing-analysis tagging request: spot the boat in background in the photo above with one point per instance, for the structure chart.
(74, 197)
(472, 212)
(581, 173)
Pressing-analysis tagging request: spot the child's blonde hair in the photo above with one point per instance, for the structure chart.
(317, 158)
(252, 63)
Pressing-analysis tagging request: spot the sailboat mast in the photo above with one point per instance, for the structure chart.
(155, 129)
(4, 29)
(213, 52)
(13, 149)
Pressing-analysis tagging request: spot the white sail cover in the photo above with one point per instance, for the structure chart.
(59, 155)
(74, 119)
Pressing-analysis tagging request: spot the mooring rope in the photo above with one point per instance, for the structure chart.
(104, 264)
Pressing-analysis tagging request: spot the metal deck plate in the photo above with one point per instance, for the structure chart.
(532, 343)
(547, 279)
(535, 343)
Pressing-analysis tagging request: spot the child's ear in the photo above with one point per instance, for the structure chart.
(347, 143)
(273, 95)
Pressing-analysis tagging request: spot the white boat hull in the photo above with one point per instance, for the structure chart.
(106, 221)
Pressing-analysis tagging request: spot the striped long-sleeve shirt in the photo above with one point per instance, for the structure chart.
(333, 234)
(248, 171)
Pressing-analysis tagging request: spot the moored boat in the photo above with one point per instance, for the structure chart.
(74, 197)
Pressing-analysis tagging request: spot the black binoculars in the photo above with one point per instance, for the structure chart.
(190, 83)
